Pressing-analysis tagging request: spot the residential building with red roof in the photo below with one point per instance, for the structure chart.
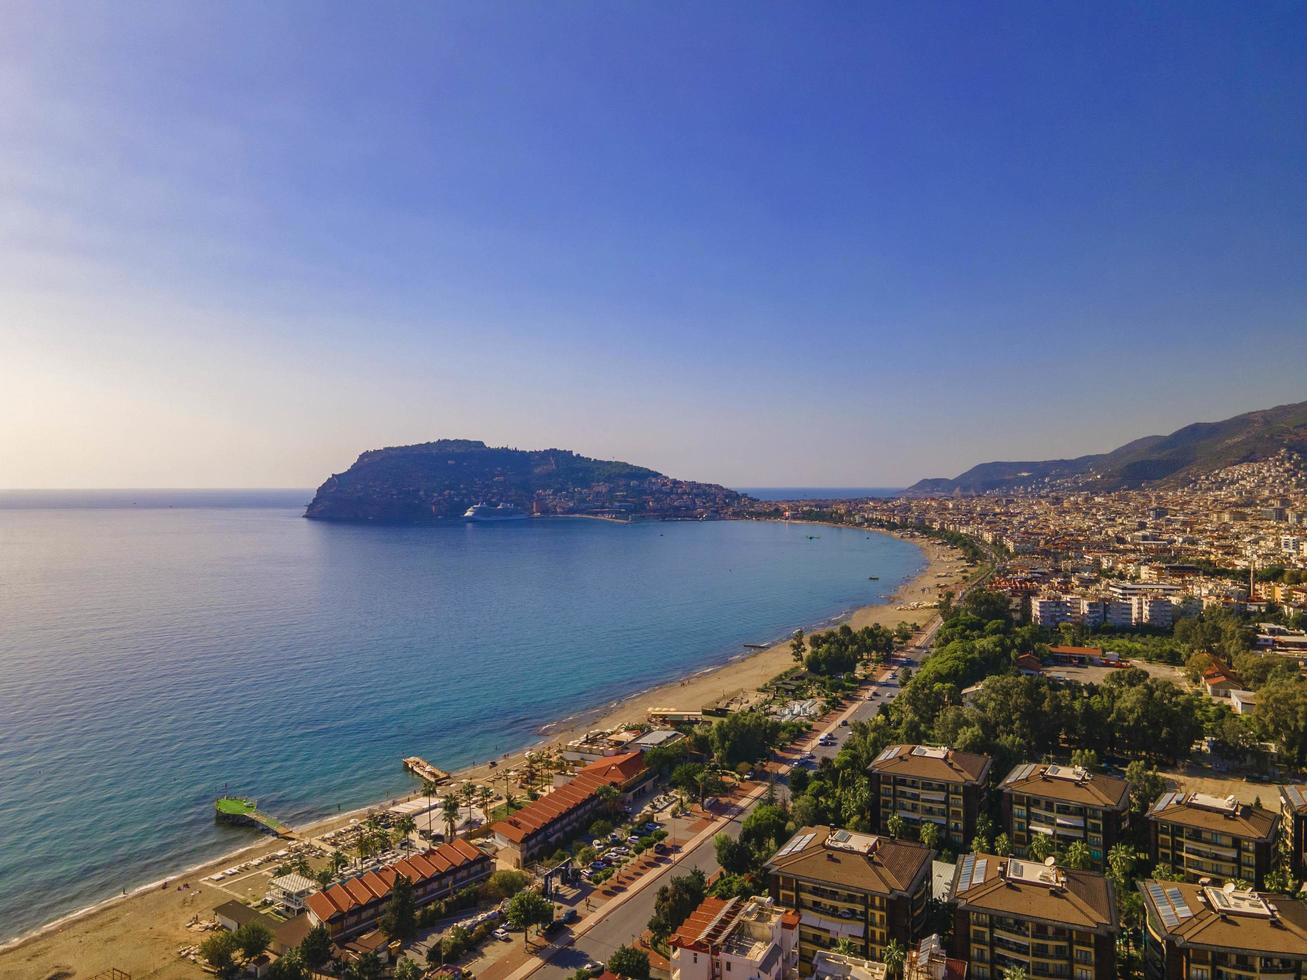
(740, 938)
(350, 906)
(1036, 917)
(543, 825)
(1204, 836)
(847, 885)
(931, 783)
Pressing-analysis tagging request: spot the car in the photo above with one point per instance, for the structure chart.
(569, 915)
(660, 848)
(875, 694)
(632, 840)
(594, 968)
(844, 723)
(807, 757)
(552, 927)
(652, 827)
(502, 935)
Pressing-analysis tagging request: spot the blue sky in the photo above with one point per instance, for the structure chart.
(796, 244)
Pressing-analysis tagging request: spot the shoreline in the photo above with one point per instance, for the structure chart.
(91, 933)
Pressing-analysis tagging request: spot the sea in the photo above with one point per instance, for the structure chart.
(160, 648)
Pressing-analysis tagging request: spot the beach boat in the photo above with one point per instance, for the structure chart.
(873, 578)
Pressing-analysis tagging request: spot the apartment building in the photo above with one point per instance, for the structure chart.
(934, 783)
(351, 906)
(1204, 836)
(845, 885)
(1045, 920)
(1293, 810)
(1068, 803)
(1201, 932)
(736, 939)
(542, 826)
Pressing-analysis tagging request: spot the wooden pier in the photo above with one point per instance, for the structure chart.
(240, 810)
(424, 770)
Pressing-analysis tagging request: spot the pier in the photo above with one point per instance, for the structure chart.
(424, 770)
(239, 810)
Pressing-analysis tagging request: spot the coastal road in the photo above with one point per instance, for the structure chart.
(628, 920)
(624, 924)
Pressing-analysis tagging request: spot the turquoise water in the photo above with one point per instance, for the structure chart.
(158, 648)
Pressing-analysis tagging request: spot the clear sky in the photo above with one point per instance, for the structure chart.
(756, 243)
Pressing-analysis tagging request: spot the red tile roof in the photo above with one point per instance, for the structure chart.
(616, 770)
(373, 886)
(690, 933)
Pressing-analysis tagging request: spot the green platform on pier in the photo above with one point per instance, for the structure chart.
(238, 809)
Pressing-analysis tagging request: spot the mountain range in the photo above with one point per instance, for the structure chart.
(1193, 450)
(439, 480)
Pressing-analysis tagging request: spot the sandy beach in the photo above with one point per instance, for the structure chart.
(141, 933)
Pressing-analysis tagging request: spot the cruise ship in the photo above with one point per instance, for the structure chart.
(484, 512)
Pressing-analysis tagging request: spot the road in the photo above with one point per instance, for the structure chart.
(625, 923)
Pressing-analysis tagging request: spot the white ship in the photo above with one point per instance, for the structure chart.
(484, 512)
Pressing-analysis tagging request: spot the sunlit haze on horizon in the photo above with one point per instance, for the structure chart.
(757, 244)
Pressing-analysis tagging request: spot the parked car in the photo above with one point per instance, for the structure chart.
(594, 968)
(844, 723)
(502, 935)
(569, 915)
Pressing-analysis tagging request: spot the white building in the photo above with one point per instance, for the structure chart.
(289, 892)
(736, 939)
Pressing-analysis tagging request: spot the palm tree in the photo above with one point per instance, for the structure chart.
(894, 956)
(484, 797)
(338, 862)
(429, 790)
(467, 793)
(449, 810)
(404, 826)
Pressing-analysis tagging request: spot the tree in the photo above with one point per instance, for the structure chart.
(467, 793)
(746, 736)
(316, 947)
(627, 961)
(527, 909)
(1146, 785)
(1013, 973)
(219, 951)
(252, 939)
(505, 883)
(1281, 717)
(1085, 758)
(289, 966)
(406, 969)
(894, 957)
(366, 967)
(764, 828)
(895, 826)
(399, 918)
(1041, 846)
(675, 901)
(734, 856)
(1077, 856)
(1164, 872)
(429, 790)
(449, 810)
(1002, 845)
(1120, 866)
(797, 647)
(324, 877)
(404, 826)
(844, 946)
(928, 833)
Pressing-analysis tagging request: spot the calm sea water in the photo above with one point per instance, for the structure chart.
(156, 648)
